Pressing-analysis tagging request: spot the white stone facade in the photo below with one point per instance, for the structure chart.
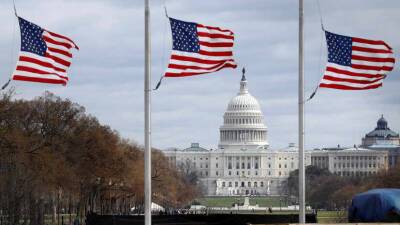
(353, 162)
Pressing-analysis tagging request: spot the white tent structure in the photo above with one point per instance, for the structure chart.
(154, 207)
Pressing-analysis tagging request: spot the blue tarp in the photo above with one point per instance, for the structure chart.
(375, 205)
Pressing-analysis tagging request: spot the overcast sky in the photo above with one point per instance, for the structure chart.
(107, 74)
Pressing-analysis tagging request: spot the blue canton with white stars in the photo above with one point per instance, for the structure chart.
(184, 36)
(339, 48)
(31, 38)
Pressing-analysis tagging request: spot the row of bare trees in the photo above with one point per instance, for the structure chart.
(325, 190)
(55, 159)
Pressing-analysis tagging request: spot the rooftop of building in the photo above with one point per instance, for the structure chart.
(382, 130)
(195, 147)
(243, 101)
(355, 149)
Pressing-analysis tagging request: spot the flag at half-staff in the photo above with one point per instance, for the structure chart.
(356, 63)
(199, 49)
(44, 56)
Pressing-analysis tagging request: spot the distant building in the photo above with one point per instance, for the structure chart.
(350, 161)
(243, 163)
(384, 139)
(381, 135)
(379, 150)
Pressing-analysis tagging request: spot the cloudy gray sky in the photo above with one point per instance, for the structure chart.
(107, 73)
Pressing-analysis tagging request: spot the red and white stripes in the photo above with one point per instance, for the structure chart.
(51, 68)
(216, 53)
(371, 60)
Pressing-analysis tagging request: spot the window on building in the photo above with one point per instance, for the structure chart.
(201, 165)
(249, 184)
(237, 165)
(242, 184)
(248, 173)
(256, 165)
(248, 166)
(280, 173)
(223, 184)
(256, 172)
(236, 183)
(280, 166)
(229, 165)
(255, 184)
(206, 173)
(237, 173)
(243, 166)
(269, 165)
(216, 165)
(216, 173)
(285, 166)
(269, 172)
(206, 165)
(230, 173)
(230, 184)
(262, 184)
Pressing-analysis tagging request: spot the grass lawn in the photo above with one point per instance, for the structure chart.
(332, 217)
(263, 201)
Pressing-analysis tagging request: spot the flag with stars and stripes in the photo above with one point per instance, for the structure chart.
(199, 49)
(44, 57)
(356, 63)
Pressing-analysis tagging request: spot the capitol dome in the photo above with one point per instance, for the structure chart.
(243, 122)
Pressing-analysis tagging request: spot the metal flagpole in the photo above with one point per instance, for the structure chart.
(147, 116)
(302, 218)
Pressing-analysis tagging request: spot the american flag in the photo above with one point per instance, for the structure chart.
(199, 49)
(44, 57)
(356, 63)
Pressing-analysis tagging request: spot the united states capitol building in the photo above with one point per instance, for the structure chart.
(244, 164)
